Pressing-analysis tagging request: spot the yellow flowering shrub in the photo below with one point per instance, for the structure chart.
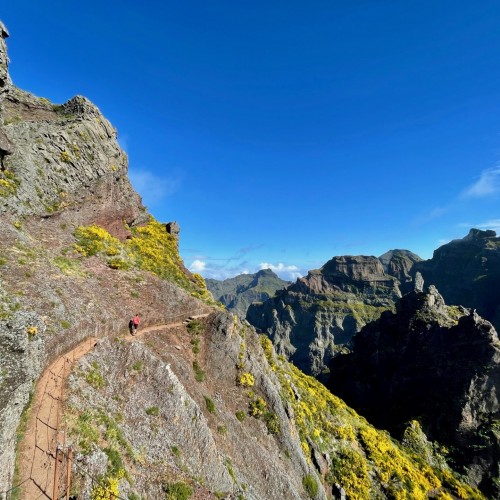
(257, 407)
(151, 248)
(107, 487)
(246, 379)
(32, 330)
(364, 459)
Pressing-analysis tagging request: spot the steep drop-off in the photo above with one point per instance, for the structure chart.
(467, 272)
(436, 364)
(313, 318)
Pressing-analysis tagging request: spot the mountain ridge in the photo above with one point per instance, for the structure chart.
(237, 293)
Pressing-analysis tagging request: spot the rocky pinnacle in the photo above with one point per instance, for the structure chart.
(4, 59)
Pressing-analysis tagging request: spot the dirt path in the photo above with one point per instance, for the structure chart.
(37, 464)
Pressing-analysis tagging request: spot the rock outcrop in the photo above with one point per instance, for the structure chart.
(4, 58)
(22, 358)
(399, 263)
(436, 364)
(467, 272)
(319, 314)
(237, 293)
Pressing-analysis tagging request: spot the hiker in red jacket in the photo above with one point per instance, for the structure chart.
(134, 322)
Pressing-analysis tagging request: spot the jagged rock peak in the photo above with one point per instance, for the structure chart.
(479, 234)
(4, 59)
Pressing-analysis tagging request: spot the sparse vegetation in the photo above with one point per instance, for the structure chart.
(272, 422)
(138, 366)
(257, 407)
(230, 469)
(8, 183)
(361, 455)
(94, 376)
(199, 374)
(70, 267)
(65, 157)
(177, 491)
(153, 411)
(32, 330)
(151, 248)
(246, 379)
(194, 327)
(210, 405)
(310, 485)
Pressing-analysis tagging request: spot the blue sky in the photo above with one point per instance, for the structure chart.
(279, 134)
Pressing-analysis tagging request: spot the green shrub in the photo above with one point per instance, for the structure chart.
(194, 327)
(257, 407)
(153, 411)
(177, 491)
(199, 374)
(118, 264)
(310, 485)
(115, 462)
(272, 422)
(138, 366)
(241, 415)
(210, 405)
(86, 431)
(94, 376)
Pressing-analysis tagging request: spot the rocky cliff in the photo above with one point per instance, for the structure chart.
(75, 251)
(436, 364)
(399, 264)
(313, 318)
(467, 272)
(237, 293)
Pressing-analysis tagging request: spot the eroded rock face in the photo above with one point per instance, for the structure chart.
(62, 157)
(399, 263)
(22, 356)
(433, 363)
(4, 59)
(313, 318)
(467, 272)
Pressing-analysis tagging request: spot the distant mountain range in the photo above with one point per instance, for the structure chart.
(239, 292)
(318, 315)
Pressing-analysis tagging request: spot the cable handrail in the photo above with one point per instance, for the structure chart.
(96, 333)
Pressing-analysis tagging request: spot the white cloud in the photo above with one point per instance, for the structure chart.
(488, 184)
(197, 266)
(153, 188)
(290, 272)
(490, 224)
